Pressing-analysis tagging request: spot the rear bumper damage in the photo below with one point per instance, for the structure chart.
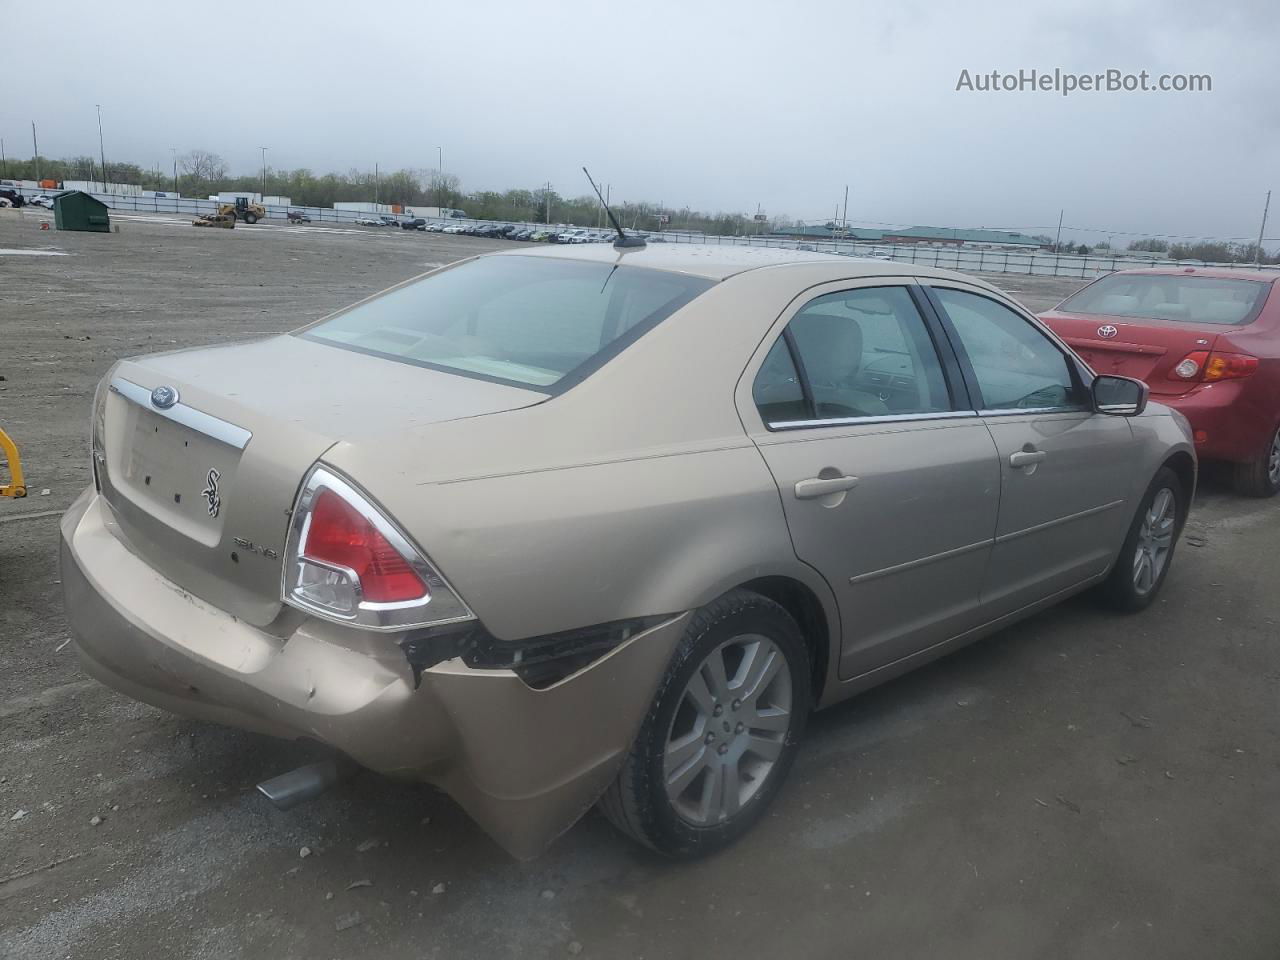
(525, 763)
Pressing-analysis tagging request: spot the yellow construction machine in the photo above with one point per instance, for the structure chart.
(15, 487)
(229, 213)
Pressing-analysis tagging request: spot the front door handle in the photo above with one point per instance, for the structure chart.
(1026, 458)
(816, 487)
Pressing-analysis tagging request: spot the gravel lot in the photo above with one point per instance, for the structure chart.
(1080, 785)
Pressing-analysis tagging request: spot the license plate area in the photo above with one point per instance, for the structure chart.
(178, 475)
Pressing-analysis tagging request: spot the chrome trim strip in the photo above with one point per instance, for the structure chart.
(851, 421)
(1033, 410)
(922, 561)
(197, 420)
(1005, 538)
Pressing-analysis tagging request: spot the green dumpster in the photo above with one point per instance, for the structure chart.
(77, 210)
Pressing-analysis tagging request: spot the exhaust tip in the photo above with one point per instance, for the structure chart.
(305, 783)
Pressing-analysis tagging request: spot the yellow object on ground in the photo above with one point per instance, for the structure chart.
(15, 487)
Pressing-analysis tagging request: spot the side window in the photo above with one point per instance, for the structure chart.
(863, 353)
(777, 391)
(1016, 366)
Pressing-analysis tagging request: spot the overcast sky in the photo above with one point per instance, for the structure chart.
(715, 105)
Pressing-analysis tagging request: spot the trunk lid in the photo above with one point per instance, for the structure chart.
(1144, 348)
(202, 489)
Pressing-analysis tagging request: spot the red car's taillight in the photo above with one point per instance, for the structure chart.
(338, 536)
(347, 561)
(1209, 367)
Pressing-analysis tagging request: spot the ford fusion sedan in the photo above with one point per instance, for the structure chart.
(1206, 341)
(577, 525)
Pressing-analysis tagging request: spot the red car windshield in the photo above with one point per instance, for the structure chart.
(1183, 297)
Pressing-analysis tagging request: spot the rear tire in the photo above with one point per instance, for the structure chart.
(250, 218)
(718, 741)
(1260, 477)
(1147, 552)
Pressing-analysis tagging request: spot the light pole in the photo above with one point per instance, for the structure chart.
(4, 164)
(102, 153)
(440, 176)
(35, 150)
(264, 174)
(174, 151)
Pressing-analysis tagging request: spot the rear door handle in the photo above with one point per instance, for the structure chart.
(816, 487)
(1026, 458)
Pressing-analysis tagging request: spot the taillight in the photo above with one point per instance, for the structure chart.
(338, 537)
(1190, 366)
(1229, 366)
(98, 431)
(347, 561)
(1209, 367)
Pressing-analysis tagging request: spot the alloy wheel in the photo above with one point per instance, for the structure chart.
(1155, 541)
(728, 731)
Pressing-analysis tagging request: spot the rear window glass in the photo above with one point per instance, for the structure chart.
(529, 321)
(1172, 297)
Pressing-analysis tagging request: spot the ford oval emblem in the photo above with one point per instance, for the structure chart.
(162, 398)
(1107, 332)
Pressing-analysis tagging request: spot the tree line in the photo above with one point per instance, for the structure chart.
(1209, 251)
(201, 173)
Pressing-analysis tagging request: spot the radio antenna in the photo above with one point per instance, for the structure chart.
(623, 240)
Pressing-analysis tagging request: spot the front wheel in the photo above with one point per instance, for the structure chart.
(1144, 559)
(721, 733)
(1260, 477)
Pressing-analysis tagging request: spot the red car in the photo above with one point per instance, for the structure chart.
(1207, 342)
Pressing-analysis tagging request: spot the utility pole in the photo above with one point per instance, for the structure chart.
(4, 165)
(844, 220)
(102, 153)
(174, 151)
(547, 194)
(1257, 254)
(1059, 236)
(375, 185)
(35, 150)
(264, 174)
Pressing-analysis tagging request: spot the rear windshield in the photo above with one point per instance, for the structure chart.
(530, 321)
(1172, 297)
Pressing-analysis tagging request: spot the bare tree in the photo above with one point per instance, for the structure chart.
(204, 166)
(444, 189)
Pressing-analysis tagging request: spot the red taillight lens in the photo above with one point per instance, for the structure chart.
(1207, 367)
(339, 535)
(1229, 366)
(347, 561)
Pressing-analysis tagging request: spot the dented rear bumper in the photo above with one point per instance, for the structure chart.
(525, 763)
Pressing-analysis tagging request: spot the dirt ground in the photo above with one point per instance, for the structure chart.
(1080, 785)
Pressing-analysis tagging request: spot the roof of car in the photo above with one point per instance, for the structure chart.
(1216, 273)
(719, 261)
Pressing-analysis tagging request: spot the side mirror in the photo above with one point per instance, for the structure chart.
(1119, 396)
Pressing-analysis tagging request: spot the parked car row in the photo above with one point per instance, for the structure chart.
(503, 231)
(534, 234)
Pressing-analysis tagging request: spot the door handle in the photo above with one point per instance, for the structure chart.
(816, 487)
(1026, 458)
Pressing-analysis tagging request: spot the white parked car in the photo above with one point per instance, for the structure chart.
(42, 201)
